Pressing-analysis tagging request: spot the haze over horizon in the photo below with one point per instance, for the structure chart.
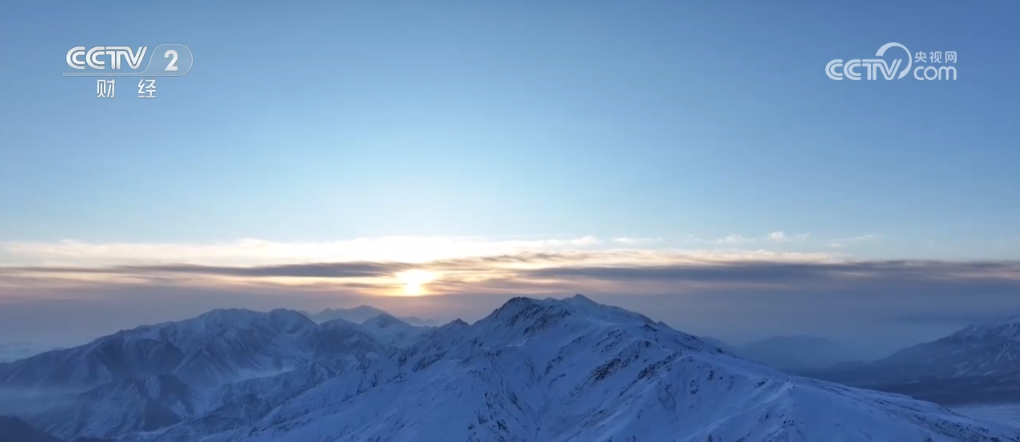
(690, 162)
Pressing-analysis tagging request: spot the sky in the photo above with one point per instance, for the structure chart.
(689, 160)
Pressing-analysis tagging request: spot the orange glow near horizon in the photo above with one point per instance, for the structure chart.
(415, 280)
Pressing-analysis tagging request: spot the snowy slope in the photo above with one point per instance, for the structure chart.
(1008, 414)
(225, 363)
(978, 350)
(979, 363)
(214, 348)
(574, 370)
(238, 405)
(339, 339)
(122, 406)
(534, 370)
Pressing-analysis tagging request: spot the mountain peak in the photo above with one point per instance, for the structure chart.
(979, 362)
(291, 318)
(384, 320)
(566, 370)
(577, 304)
(288, 320)
(356, 315)
(235, 316)
(363, 308)
(989, 331)
(1008, 320)
(1005, 328)
(520, 301)
(581, 299)
(523, 317)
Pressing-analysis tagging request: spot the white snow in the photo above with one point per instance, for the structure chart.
(1008, 414)
(534, 370)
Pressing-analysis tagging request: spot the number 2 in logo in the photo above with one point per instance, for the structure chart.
(172, 55)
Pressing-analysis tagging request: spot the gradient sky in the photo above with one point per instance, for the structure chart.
(643, 134)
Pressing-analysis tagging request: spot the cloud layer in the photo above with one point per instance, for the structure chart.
(732, 292)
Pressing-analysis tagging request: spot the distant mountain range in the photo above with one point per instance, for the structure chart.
(794, 353)
(393, 331)
(979, 363)
(363, 313)
(21, 350)
(534, 370)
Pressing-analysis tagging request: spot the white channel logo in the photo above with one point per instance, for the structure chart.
(78, 57)
(883, 66)
(164, 60)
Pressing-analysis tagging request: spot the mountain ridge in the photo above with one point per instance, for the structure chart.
(362, 313)
(977, 363)
(566, 370)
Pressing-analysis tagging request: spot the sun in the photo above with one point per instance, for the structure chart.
(414, 280)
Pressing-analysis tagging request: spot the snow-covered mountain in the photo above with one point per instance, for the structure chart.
(395, 331)
(147, 378)
(122, 406)
(535, 370)
(979, 363)
(339, 339)
(214, 348)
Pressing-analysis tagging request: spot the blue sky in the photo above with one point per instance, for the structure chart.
(664, 119)
(674, 124)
